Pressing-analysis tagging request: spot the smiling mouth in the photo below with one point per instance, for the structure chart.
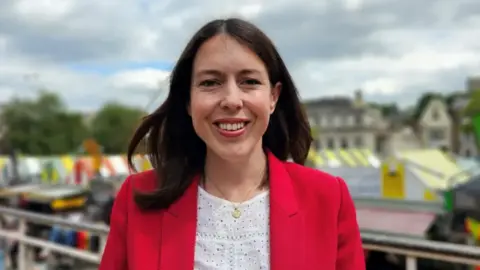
(232, 126)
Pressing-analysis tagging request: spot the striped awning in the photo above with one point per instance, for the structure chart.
(344, 158)
(62, 167)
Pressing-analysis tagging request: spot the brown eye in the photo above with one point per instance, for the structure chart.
(251, 82)
(209, 83)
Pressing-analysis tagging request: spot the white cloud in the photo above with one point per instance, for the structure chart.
(391, 49)
(44, 10)
(250, 11)
(142, 79)
(353, 5)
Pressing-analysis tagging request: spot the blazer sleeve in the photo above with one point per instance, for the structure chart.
(350, 254)
(115, 252)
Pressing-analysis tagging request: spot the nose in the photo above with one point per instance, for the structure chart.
(232, 99)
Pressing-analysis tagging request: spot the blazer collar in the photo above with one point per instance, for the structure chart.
(286, 229)
(186, 205)
(286, 224)
(281, 191)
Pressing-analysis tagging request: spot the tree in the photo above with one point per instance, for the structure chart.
(473, 106)
(41, 126)
(388, 109)
(451, 97)
(423, 102)
(471, 110)
(113, 126)
(315, 132)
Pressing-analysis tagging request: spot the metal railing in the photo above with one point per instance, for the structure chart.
(26, 242)
(412, 249)
(435, 207)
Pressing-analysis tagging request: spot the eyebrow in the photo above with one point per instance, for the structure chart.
(208, 72)
(219, 73)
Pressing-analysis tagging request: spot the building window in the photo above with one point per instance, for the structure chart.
(351, 120)
(318, 144)
(379, 144)
(435, 115)
(329, 120)
(359, 141)
(358, 119)
(338, 121)
(344, 143)
(437, 134)
(330, 143)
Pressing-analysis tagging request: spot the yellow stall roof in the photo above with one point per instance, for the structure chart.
(439, 168)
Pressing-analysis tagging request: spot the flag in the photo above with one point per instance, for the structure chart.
(473, 227)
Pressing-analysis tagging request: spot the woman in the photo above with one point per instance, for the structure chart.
(222, 195)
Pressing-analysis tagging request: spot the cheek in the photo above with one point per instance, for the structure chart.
(261, 107)
(200, 109)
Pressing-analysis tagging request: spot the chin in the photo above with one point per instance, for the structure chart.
(233, 152)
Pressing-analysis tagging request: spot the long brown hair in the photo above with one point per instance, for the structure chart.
(176, 152)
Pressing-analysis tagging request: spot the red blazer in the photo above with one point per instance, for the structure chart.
(312, 225)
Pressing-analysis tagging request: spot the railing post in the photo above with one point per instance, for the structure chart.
(103, 242)
(3, 255)
(22, 258)
(411, 263)
(3, 244)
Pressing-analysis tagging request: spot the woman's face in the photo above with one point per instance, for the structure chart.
(231, 97)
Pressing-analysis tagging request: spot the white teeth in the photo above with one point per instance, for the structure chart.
(231, 127)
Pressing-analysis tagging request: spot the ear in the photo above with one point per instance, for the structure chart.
(275, 94)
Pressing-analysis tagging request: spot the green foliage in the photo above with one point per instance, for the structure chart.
(113, 126)
(41, 126)
(315, 131)
(450, 98)
(387, 109)
(472, 109)
(473, 106)
(44, 126)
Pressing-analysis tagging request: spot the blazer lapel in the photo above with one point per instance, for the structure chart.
(178, 232)
(286, 226)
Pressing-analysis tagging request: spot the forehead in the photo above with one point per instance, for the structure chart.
(226, 54)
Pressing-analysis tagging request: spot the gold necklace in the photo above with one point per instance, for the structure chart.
(236, 213)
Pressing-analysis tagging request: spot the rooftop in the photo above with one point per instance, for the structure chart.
(329, 101)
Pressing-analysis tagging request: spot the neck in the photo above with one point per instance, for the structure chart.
(234, 178)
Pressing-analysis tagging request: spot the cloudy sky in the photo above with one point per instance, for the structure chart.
(93, 51)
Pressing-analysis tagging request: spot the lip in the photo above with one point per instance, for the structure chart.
(231, 133)
(230, 120)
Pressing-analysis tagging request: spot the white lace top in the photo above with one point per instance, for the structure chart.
(226, 243)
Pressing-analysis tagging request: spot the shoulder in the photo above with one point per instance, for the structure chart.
(327, 203)
(143, 181)
(324, 187)
(310, 177)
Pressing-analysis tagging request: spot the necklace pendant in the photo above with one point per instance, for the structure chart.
(236, 213)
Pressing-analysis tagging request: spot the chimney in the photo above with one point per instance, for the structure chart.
(358, 98)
